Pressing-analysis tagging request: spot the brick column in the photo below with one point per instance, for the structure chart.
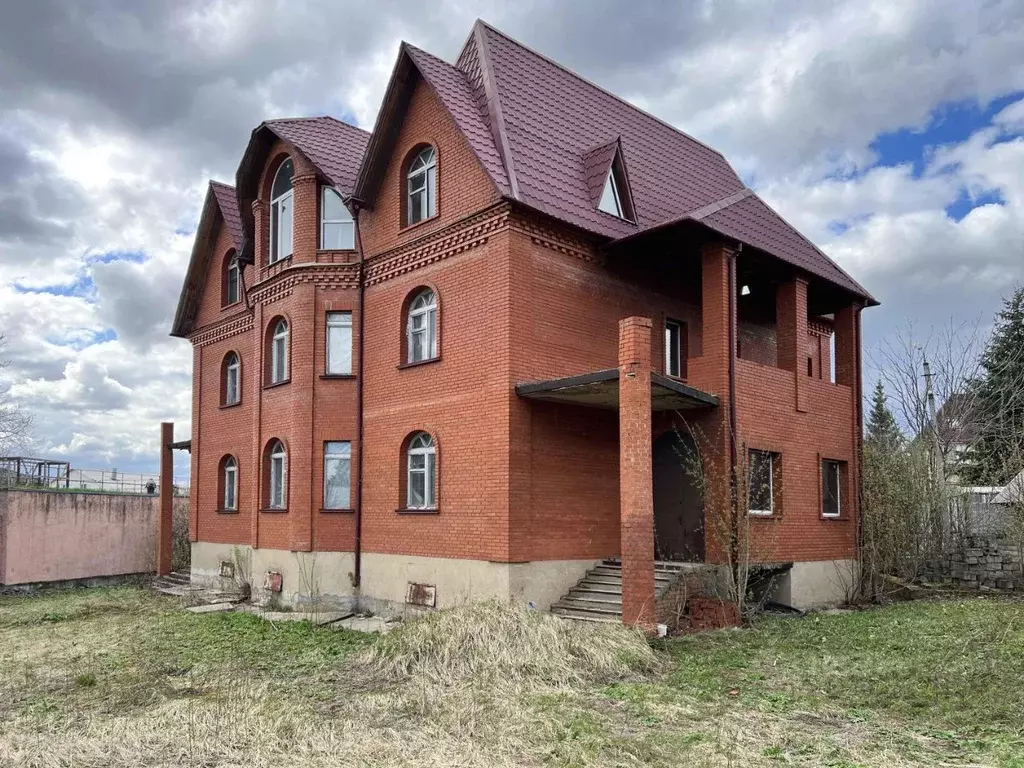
(846, 346)
(791, 334)
(305, 218)
(166, 520)
(636, 492)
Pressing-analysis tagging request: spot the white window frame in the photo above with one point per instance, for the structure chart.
(339, 324)
(611, 204)
(678, 326)
(422, 444)
(277, 466)
(232, 380)
(422, 321)
(348, 240)
(338, 452)
(283, 202)
(279, 352)
(771, 483)
(838, 489)
(423, 165)
(233, 271)
(230, 499)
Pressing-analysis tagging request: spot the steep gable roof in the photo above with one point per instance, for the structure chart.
(220, 207)
(542, 133)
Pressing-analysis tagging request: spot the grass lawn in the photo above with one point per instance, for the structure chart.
(123, 677)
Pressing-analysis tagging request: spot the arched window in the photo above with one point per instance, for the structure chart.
(421, 186)
(232, 281)
(277, 475)
(232, 392)
(421, 472)
(337, 229)
(229, 483)
(279, 352)
(281, 213)
(421, 327)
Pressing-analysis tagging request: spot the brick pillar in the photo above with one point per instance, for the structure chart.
(305, 218)
(846, 346)
(636, 492)
(791, 334)
(166, 520)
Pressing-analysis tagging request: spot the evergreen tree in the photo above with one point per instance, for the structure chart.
(998, 453)
(883, 434)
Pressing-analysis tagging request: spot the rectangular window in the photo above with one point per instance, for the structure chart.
(761, 482)
(337, 229)
(230, 486)
(231, 386)
(279, 361)
(831, 488)
(232, 287)
(281, 228)
(337, 475)
(277, 481)
(675, 346)
(339, 343)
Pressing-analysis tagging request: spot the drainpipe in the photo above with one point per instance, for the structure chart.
(734, 512)
(358, 568)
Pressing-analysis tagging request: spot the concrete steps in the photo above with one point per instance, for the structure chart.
(598, 595)
(175, 583)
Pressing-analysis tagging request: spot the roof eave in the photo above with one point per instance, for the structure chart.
(181, 327)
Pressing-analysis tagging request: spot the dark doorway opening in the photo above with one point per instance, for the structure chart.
(678, 507)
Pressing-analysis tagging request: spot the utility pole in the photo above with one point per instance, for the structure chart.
(938, 463)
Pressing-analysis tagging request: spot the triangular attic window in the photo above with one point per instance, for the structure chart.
(610, 200)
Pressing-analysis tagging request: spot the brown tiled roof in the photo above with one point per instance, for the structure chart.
(335, 147)
(228, 204)
(543, 134)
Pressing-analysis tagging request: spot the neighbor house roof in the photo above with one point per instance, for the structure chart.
(220, 206)
(540, 131)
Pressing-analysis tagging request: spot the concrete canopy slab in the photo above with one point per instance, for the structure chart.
(600, 389)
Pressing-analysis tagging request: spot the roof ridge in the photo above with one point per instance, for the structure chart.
(495, 113)
(215, 183)
(592, 84)
(312, 118)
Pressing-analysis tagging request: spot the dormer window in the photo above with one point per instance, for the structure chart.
(610, 200)
(281, 214)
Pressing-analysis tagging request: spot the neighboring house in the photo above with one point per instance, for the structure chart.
(450, 357)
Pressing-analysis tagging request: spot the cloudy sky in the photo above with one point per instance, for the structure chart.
(892, 134)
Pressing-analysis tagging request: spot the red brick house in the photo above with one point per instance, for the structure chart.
(462, 356)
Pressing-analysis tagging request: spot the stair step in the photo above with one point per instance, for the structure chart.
(599, 587)
(611, 609)
(595, 597)
(574, 613)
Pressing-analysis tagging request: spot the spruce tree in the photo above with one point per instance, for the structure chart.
(998, 408)
(883, 434)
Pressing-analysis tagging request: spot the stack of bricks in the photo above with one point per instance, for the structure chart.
(985, 563)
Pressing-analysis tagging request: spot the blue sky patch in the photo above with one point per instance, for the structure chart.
(82, 286)
(965, 203)
(136, 257)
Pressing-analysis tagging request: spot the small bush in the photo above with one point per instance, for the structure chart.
(85, 680)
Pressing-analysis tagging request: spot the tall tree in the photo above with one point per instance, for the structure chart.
(883, 433)
(14, 422)
(998, 453)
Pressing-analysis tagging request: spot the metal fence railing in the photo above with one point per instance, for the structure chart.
(26, 472)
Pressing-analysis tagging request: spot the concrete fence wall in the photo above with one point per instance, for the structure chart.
(982, 562)
(50, 536)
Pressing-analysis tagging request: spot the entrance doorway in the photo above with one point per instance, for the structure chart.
(678, 507)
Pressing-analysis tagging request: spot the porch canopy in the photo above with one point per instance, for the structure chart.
(600, 389)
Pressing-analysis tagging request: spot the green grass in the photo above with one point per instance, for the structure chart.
(124, 677)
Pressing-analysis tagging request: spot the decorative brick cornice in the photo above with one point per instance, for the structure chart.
(326, 275)
(819, 328)
(225, 329)
(460, 237)
(543, 234)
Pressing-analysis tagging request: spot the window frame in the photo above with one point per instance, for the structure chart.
(341, 456)
(346, 219)
(773, 457)
(230, 489)
(283, 336)
(232, 268)
(277, 454)
(840, 467)
(429, 311)
(232, 363)
(330, 325)
(428, 170)
(276, 203)
(680, 328)
(421, 444)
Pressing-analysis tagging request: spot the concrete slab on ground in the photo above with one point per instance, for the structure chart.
(211, 608)
(373, 624)
(319, 618)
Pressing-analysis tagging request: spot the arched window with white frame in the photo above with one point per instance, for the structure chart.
(232, 379)
(421, 472)
(229, 484)
(279, 352)
(281, 213)
(232, 280)
(277, 475)
(421, 327)
(421, 186)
